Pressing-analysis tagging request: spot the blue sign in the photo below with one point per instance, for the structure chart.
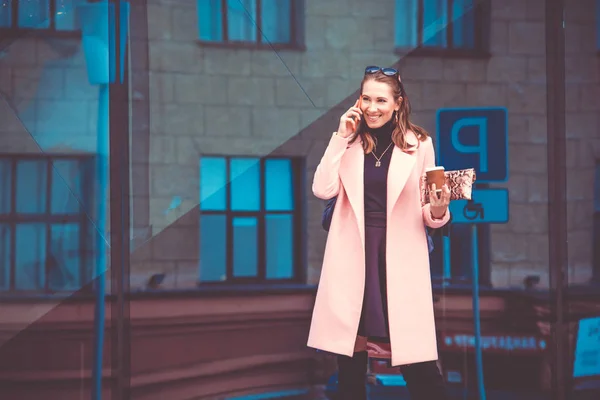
(474, 138)
(487, 206)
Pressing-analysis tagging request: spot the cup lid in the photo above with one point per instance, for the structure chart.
(438, 168)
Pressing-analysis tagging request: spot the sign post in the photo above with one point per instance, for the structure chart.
(475, 138)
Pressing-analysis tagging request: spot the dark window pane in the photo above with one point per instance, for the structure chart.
(280, 251)
(213, 248)
(245, 184)
(213, 180)
(5, 186)
(64, 258)
(406, 22)
(5, 13)
(4, 257)
(276, 22)
(245, 247)
(66, 187)
(279, 189)
(31, 256)
(34, 14)
(31, 186)
(66, 18)
(464, 24)
(210, 20)
(241, 20)
(435, 20)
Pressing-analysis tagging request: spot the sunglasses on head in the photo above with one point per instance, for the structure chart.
(373, 69)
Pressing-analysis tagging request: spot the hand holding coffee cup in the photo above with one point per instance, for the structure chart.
(439, 199)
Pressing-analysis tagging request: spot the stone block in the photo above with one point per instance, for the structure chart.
(536, 10)
(509, 10)
(507, 69)
(579, 214)
(519, 271)
(536, 69)
(228, 121)
(422, 69)
(538, 188)
(590, 97)
(20, 53)
(278, 123)
(527, 99)
(201, 89)
(343, 33)
(583, 69)
(49, 84)
(528, 218)
(159, 21)
(538, 248)
(580, 183)
(438, 95)
(499, 275)
(223, 61)
(251, 91)
(173, 180)
(171, 56)
(528, 158)
(527, 38)
(163, 149)
(508, 247)
(499, 37)
(274, 64)
(487, 94)
(162, 87)
(291, 92)
(582, 125)
(321, 64)
(184, 23)
(456, 70)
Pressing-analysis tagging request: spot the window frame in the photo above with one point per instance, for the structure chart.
(297, 30)
(299, 257)
(48, 218)
(481, 32)
(14, 30)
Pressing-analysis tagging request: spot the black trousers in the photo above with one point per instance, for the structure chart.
(423, 380)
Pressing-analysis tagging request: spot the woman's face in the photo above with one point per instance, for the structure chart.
(377, 103)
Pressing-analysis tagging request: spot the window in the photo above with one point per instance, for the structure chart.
(441, 24)
(251, 219)
(43, 224)
(53, 15)
(254, 22)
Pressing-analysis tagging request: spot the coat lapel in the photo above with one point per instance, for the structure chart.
(401, 166)
(352, 176)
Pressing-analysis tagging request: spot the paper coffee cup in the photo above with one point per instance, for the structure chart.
(436, 175)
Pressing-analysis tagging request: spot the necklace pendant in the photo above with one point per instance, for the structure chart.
(378, 164)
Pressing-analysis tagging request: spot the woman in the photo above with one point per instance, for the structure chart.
(375, 282)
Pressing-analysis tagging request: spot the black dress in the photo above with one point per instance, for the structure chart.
(374, 316)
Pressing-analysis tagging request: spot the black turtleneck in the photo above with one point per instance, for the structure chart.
(376, 177)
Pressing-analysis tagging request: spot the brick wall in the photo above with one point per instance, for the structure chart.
(207, 100)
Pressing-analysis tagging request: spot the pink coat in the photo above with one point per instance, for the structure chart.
(339, 297)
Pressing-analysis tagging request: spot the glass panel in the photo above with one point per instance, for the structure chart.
(280, 246)
(4, 256)
(463, 28)
(213, 183)
(279, 185)
(210, 20)
(5, 186)
(5, 13)
(241, 20)
(34, 14)
(275, 19)
(32, 181)
(64, 264)
(406, 21)
(213, 248)
(30, 270)
(66, 14)
(245, 247)
(245, 184)
(66, 187)
(435, 21)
